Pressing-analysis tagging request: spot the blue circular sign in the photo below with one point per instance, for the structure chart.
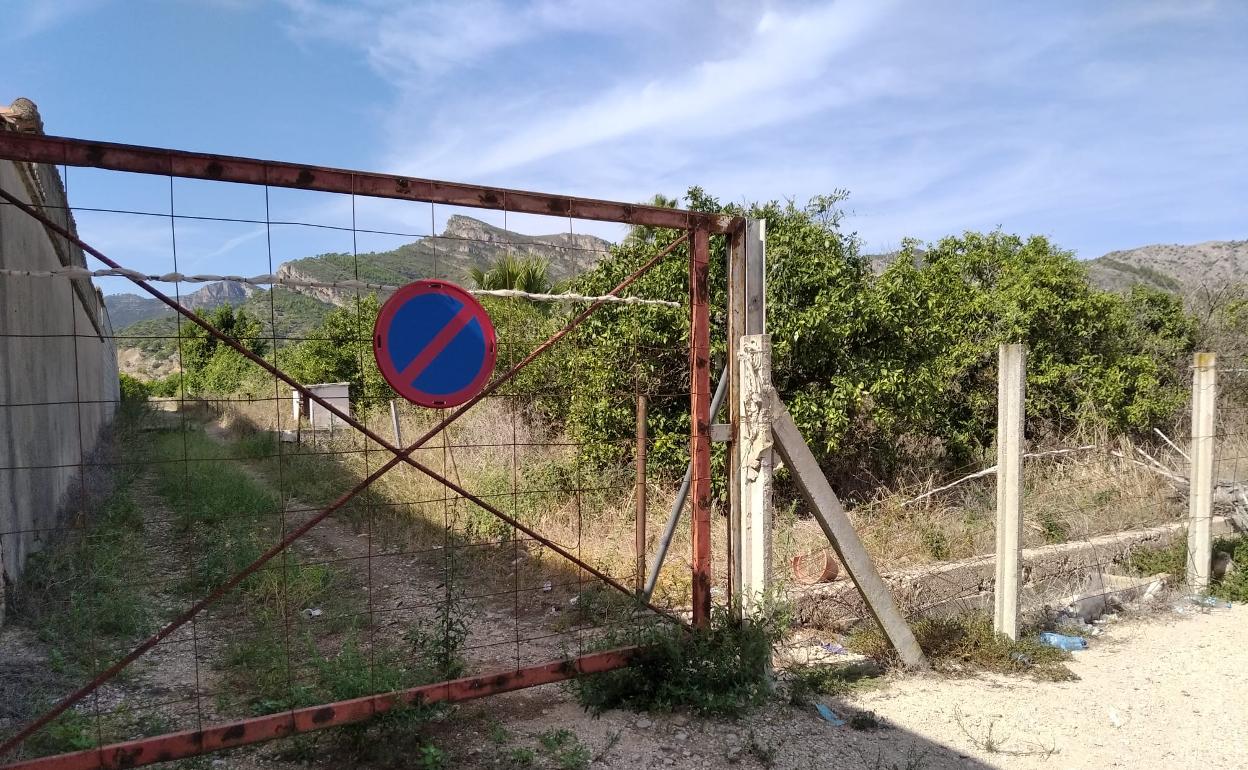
(434, 344)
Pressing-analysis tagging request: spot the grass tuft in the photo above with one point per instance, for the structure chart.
(967, 642)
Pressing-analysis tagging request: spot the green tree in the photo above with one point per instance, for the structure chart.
(210, 366)
(881, 370)
(341, 350)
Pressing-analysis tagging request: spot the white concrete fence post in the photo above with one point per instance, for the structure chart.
(1011, 400)
(1200, 482)
(754, 473)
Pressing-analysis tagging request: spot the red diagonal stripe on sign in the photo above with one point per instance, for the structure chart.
(436, 345)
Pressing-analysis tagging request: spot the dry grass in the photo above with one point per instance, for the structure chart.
(533, 474)
(1066, 498)
(501, 456)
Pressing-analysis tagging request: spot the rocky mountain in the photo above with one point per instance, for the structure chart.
(1178, 268)
(148, 326)
(1173, 267)
(464, 244)
(127, 309)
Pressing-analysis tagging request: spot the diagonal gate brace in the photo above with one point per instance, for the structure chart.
(823, 502)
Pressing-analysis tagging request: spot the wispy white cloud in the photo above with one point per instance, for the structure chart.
(765, 84)
(26, 18)
(414, 42)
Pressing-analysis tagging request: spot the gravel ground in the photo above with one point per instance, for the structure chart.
(1158, 691)
(1163, 691)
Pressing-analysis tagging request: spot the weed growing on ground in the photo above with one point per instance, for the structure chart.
(807, 682)
(228, 516)
(598, 605)
(1172, 560)
(722, 669)
(864, 720)
(84, 592)
(564, 749)
(765, 753)
(223, 514)
(956, 644)
(71, 731)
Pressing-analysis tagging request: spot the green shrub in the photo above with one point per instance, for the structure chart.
(132, 388)
(722, 669)
(1234, 585)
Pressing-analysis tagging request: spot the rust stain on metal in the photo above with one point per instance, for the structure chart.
(38, 148)
(189, 743)
(700, 420)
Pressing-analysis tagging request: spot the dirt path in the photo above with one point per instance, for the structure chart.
(501, 629)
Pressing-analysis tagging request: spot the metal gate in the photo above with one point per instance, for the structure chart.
(204, 737)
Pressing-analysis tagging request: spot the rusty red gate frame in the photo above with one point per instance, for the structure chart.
(174, 163)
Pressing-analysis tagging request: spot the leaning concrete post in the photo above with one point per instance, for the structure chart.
(1200, 497)
(754, 471)
(1011, 391)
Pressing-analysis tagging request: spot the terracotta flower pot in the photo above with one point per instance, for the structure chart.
(818, 566)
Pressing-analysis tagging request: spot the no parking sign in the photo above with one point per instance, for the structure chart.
(434, 344)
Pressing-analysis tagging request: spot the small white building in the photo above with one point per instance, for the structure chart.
(336, 393)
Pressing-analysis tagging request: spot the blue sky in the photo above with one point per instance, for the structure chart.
(1101, 125)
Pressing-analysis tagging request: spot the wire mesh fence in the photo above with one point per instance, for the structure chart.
(213, 463)
(1105, 523)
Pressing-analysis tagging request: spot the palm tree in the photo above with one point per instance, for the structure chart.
(644, 233)
(529, 274)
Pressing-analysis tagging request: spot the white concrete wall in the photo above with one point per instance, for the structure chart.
(58, 373)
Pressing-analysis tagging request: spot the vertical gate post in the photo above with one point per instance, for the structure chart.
(736, 326)
(639, 545)
(700, 423)
(1011, 398)
(1200, 497)
(747, 314)
(754, 470)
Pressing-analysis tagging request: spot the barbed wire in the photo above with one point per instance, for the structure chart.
(270, 279)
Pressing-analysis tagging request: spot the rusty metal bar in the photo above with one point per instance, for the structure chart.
(700, 423)
(639, 546)
(736, 325)
(58, 150)
(399, 456)
(245, 732)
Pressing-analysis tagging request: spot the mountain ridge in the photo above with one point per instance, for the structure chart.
(464, 243)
